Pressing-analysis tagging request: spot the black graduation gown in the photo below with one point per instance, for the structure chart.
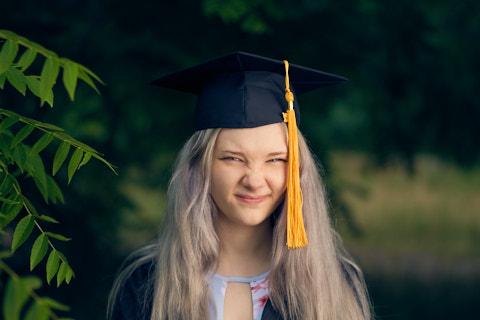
(130, 303)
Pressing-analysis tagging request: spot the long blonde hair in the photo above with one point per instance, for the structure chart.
(318, 281)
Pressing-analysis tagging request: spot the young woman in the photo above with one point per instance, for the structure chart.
(232, 208)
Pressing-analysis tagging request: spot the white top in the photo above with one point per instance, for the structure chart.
(258, 285)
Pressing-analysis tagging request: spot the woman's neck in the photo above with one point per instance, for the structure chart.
(245, 251)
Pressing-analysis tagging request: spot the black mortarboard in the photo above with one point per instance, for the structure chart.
(242, 90)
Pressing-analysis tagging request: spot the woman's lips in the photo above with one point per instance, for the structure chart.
(249, 199)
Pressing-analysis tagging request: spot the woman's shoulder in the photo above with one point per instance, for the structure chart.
(134, 294)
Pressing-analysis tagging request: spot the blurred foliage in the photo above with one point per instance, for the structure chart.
(413, 89)
(420, 245)
(439, 219)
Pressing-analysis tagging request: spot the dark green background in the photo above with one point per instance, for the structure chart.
(414, 88)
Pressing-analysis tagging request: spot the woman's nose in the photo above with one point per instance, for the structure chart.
(254, 179)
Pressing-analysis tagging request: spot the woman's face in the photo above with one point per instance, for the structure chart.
(249, 172)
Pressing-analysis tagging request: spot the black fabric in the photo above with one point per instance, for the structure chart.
(242, 90)
(242, 100)
(269, 313)
(134, 301)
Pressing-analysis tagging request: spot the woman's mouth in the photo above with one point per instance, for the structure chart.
(250, 199)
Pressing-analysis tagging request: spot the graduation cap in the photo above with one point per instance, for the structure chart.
(242, 90)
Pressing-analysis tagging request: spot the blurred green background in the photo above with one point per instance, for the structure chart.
(399, 143)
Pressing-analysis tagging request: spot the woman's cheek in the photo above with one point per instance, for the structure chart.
(277, 176)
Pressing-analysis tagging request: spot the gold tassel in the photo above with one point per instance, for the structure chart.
(296, 235)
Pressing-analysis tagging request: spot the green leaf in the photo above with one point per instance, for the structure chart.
(98, 156)
(20, 157)
(15, 297)
(26, 59)
(47, 218)
(32, 282)
(15, 183)
(28, 43)
(5, 142)
(57, 236)
(62, 257)
(37, 311)
(48, 77)
(53, 304)
(10, 211)
(40, 176)
(31, 209)
(3, 77)
(8, 122)
(8, 201)
(34, 122)
(46, 126)
(7, 55)
(62, 272)
(85, 77)
(70, 76)
(54, 191)
(69, 275)
(33, 83)
(75, 142)
(39, 249)
(85, 159)
(90, 73)
(42, 188)
(42, 143)
(17, 79)
(53, 263)
(60, 156)
(22, 231)
(74, 163)
(6, 187)
(22, 134)
(31, 313)
(49, 98)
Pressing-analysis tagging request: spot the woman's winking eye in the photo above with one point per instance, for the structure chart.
(230, 158)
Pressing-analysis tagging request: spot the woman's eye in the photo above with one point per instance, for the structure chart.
(231, 159)
(278, 160)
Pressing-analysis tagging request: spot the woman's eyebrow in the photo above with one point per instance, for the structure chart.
(239, 153)
(231, 152)
(278, 153)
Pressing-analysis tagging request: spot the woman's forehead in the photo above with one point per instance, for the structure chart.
(272, 136)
